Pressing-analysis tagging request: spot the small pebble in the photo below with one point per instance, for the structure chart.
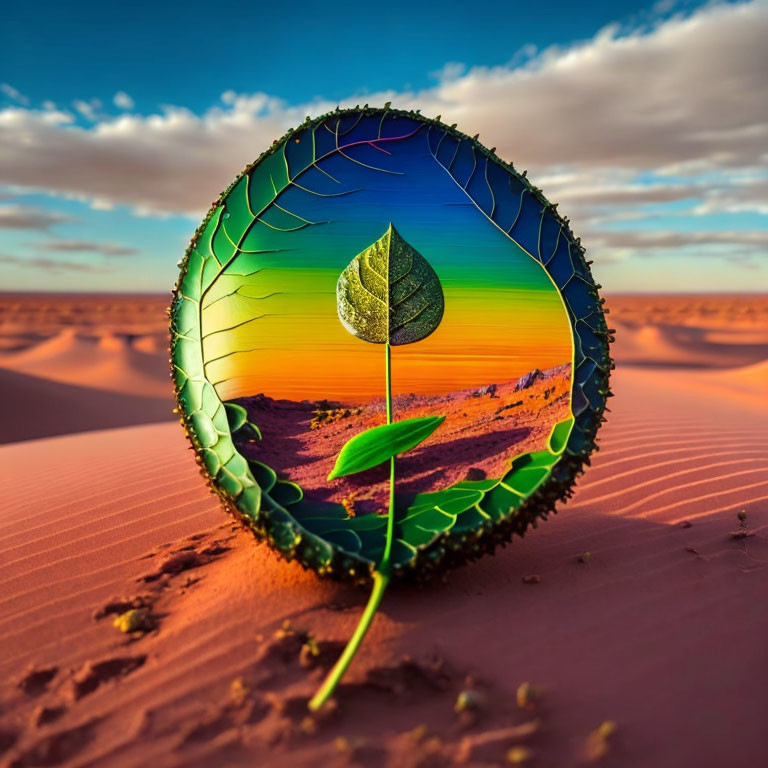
(469, 701)
(239, 690)
(135, 620)
(598, 742)
(527, 696)
(519, 755)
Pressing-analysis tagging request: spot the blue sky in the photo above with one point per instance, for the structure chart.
(119, 124)
(188, 53)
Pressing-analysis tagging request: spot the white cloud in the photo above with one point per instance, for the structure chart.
(747, 195)
(30, 217)
(655, 241)
(663, 6)
(88, 246)
(122, 100)
(692, 91)
(596, 198)
(42, 264)
(13, 93)
(684, 101)
(88, 109)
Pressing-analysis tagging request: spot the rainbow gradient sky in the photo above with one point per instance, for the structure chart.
(503, 317)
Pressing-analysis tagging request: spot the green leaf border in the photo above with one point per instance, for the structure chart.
(458, 524)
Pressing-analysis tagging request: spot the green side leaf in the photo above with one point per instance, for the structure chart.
(265, 476)
(376, 445)
(450, 501)
(390, 293)
(285, 493)
(237, 416)
(558, 437)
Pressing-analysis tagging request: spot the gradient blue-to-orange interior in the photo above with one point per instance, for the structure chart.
(270, 323)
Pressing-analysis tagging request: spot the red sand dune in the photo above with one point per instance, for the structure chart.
(32, 407)
(690, 331)
(118, 343)
(78, 363)
(105, 362)
(662, 629)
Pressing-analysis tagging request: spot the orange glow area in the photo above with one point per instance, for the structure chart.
(297, 348)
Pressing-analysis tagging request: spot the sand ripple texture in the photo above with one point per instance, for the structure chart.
(648, 611)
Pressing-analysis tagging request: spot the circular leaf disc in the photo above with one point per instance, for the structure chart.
(373, 229)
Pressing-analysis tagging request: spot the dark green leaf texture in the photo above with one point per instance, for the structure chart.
(390, 293)
(237, 417)
(377, 445)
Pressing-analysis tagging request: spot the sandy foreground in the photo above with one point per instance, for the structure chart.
(661, 630)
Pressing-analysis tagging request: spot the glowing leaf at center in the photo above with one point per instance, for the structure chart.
(390, 293)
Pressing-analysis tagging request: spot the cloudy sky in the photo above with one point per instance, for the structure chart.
(647, 123)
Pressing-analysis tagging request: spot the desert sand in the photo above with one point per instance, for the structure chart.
(648, 610)
(73, 363)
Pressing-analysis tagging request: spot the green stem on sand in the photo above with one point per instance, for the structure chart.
(380, 578)
(326, 690)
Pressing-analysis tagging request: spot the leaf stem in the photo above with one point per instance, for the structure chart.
(384, 564)
(388, 369)
(380, 582)
(380, 578)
